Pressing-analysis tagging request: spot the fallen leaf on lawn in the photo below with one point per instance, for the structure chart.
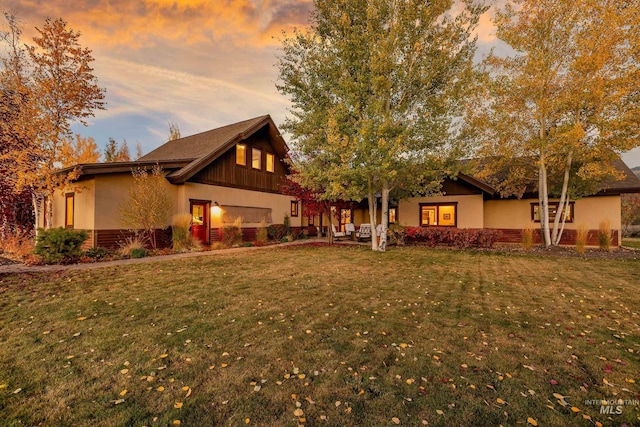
(46, 332)
(532, 368)
(119, 401)
(160, 388)
(224, 365)
(82, 318)
(348, 410)
(395, 420)
(178, 405)
(338, 403)
(3, 386)
(124, 371)
(298, 412)
(410, 381)
(18, 390)
(575, 409)
(532, 421)
(309, 399)
(247, 420)
(176, 422)
(403, 345)
(491, 387)
(500, 401)
(558, 396)
(162, 356)
(123, 392)
(629, 380)
(586, 417)
(439, 411)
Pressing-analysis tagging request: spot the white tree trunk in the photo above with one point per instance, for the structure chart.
(543, 196)
(36, 209)
(385, 217)
(372, 219)
(557, 234)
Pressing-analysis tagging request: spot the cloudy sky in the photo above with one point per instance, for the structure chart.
(198, 63)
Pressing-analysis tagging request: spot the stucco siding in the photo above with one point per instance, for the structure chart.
(469, 210)
(83, 205)
(111, 192)
(589, 212)
(225, 196)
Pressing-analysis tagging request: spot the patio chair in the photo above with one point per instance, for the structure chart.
(364, 232)
(337, 234)
(350, 229)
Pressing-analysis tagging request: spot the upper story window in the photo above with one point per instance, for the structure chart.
(241, 154)
(256, 158)
(271, 162)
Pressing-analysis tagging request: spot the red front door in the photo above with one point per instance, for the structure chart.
(200, 221)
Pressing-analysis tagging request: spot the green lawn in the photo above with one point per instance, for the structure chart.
(631, 242)
(327, 336)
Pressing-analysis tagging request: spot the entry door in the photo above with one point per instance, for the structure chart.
(200, 221)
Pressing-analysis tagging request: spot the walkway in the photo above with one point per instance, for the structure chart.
(22, 269)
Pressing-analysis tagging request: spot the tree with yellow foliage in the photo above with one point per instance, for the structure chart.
(555, 113)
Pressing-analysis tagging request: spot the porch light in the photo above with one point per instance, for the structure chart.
(216, 210)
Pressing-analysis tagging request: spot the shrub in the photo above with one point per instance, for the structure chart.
(527, 237)
(277, 231)
(397, 234)
(181, 237)
(96, 253)
(139, 253)
(18, 243)
(464, 239)
(604, 235)
(130, 245)
(261, 233)
(60, 245)
(581, 238)
(232, 234)
(487, 238)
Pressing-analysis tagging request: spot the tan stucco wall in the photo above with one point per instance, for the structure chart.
(469, 212)
(279, 204)
(83, 205)
(516, 214)
(112, 192)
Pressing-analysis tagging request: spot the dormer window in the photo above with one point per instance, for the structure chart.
(256, 158)
(241, 155)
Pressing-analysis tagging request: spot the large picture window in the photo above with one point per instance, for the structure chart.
(553, 210)
(439, 214)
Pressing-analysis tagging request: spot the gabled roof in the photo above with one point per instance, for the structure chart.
(201, 149)
(185, 157)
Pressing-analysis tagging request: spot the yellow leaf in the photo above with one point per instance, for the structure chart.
(247, 420)
(160, 388)
(178, 405)
(123, 392)
(176, 422)
(598, 424)
(586, 417)
(298, 412)
(500, 401)
(82, 318)
(224, 365)
(185, 388)
(124, 371)
(403, 345)
(558, 396)
(532, 421)
(574, 409)
(410, 381)
(46, 332)
(3, 386)
(188, 391)
(162, 356)
(439, 412)
(395, 420)
(629, 380)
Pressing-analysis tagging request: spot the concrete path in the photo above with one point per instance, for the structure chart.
(22, 269)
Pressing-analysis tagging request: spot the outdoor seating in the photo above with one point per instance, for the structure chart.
(350, 230)
(337, 234)
(364, 232)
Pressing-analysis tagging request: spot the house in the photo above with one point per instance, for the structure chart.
(235, 171)
(217, 176)
(468, 202)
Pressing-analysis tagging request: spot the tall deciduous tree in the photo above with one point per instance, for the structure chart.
(115, 152)
(53, 86)
(375, 86)
(553, 115)
(174, 131)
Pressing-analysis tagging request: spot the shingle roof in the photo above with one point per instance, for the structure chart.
(200, 145)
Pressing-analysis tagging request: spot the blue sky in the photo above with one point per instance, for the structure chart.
(199, 63)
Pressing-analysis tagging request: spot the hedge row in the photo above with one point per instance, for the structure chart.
(461, 238)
